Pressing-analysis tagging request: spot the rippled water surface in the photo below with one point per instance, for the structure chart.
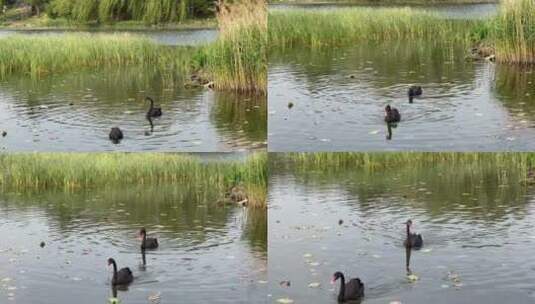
(206, 254)
(478, 231)
(75, 112)
(339, 97)
(165, 37)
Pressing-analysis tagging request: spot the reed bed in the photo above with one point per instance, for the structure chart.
(38, 56)
(521, 162)
(238, 59)
(73, 171)
(148, 11)
(513, 32)
(352, 25)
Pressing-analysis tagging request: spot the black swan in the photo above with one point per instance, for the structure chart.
(413, 92)
(413, 240)
(392, 115)
(153, 112)
(121, 277)
(353, 290)
(116, 135)
(147, 243)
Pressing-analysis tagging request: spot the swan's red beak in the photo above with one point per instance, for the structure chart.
(333, 280)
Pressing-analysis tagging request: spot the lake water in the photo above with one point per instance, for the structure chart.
(339, 96)
(206, 254)
(477, 225)
(165, 37)
(75, 112)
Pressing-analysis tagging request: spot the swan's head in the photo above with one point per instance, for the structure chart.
(336, 276)
(142, 232)
(409, 223)
(388, 109)
(111, 261)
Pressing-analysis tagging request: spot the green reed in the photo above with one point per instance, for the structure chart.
(358, 25)
(71, 171)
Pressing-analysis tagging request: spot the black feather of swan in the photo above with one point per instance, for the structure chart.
(413, 240)
(353, 290)
(392, 115)
(116, 135)
(414, 91)
(153, 112)
(147, 243)
(121, 277)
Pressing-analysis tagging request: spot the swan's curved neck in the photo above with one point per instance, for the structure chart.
(114, 268)
(151, 102)
(408, 231)
(342, 293)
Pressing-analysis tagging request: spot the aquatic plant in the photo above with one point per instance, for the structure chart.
(383, 161)
(238, 59)
(39, 56)
(72, 171)
(343, 27)
(148, 11)
(513, 32)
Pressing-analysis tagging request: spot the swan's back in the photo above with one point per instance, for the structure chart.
(124, 276)
(354, 289)
(150, 243)
(414, 241)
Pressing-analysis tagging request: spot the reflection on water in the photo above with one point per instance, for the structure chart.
(451, 11)
(476, 222)
(339, 97)
(165, 37)
(74, 112)
(206, 255)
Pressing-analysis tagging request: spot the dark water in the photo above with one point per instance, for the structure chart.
(466, 106)
(459, 11)
(165, 37)
(477, 225)
(38, 115)
(206, 254)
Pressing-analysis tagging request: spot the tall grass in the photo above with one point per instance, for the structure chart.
(513, 32)
(384, 161)
(238, 59)
(79, 171)
(39, 56)
(149, 11)
(358, 25)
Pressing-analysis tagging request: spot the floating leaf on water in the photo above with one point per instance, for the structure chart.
(314, 285)
(285, 301)
(412, 277)
(155, 297)
(285, 283)
(114, 301)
